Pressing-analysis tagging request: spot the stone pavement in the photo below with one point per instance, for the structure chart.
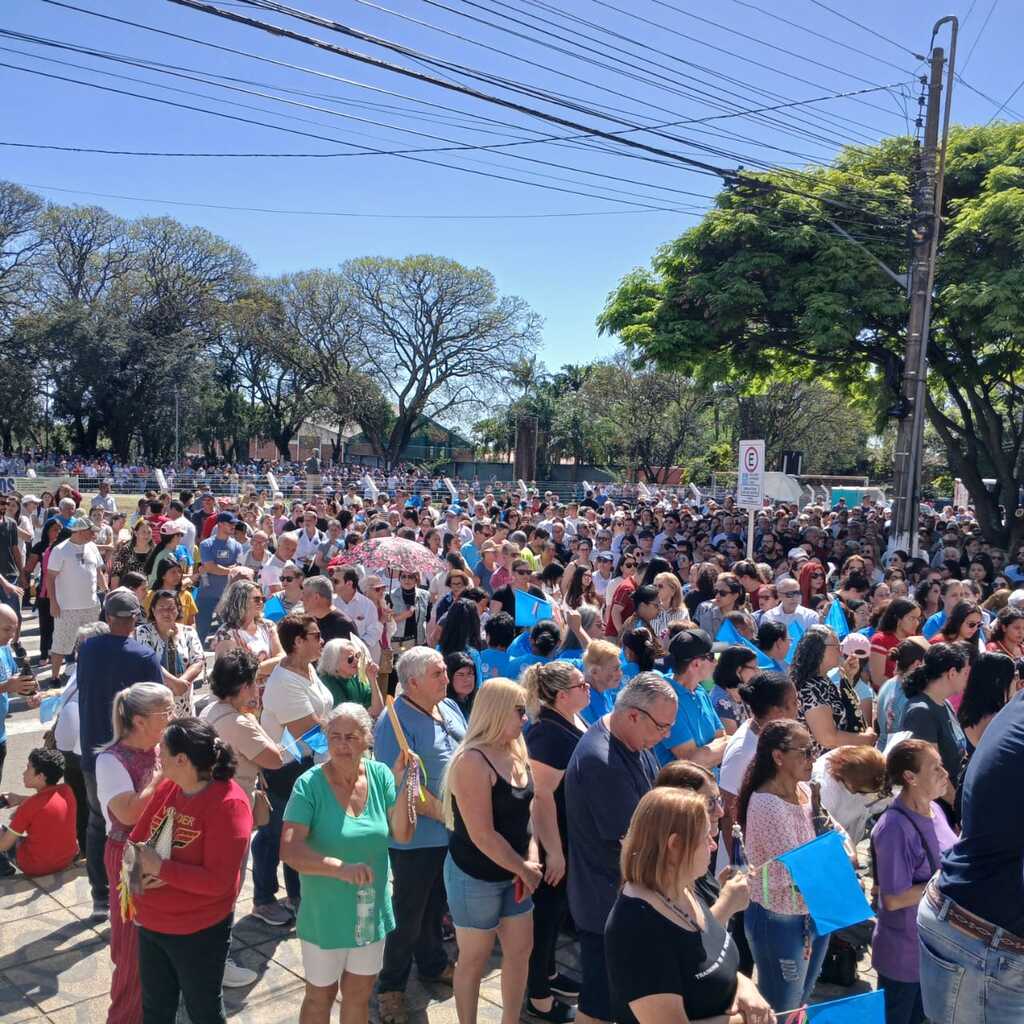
(55, 965)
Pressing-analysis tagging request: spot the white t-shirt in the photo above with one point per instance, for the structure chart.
(66, 732)
(362, 613)
(188, 534)
(105, 502)
(289, 697)
(76, 566)
(805, 616)
(112, 779)
(739, 752)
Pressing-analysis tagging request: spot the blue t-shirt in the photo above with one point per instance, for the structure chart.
(494, 664)
(224, 553)
(984, 871)
(8, 668)
(889, 713)
(519, 665)
(519, 646)
(696, 721)
(933, 624)
(601, 702)
(108, 664)
(434, 742)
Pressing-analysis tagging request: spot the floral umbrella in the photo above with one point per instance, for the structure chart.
(391, 555)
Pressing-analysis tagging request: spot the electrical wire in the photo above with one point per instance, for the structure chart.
(368, 216)
(1005, 103)
(820, 35)
(977, 38)
(867, 28)
(985, 96)
(270, 5)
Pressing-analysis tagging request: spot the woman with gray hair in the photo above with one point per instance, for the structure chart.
(243, 627)
(828, 704)
(126, 776)
(339, 820)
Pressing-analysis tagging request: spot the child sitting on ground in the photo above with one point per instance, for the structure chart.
(41, 837)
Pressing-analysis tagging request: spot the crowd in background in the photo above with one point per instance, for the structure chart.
(608, 710)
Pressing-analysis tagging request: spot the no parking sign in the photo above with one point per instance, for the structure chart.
(750, 479)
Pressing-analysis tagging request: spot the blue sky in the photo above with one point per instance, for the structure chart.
(563, 266)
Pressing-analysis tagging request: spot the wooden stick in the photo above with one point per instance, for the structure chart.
(396, 725)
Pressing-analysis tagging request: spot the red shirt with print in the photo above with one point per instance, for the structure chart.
(201, 877)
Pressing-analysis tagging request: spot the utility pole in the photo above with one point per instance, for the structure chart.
(924, 226)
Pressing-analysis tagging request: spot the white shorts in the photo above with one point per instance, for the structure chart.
(66, 627)
(324, 967)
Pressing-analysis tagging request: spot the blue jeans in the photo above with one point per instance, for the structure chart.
(205, 605)
(965, 980)
(788, 953)
(266, 843)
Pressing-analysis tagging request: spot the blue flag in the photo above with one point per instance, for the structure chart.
(836, 619)
(530, 609)
(289, 744)
(48, 707)
(795, 632)
(867, 1008)
(821, 870)
(315, 739)
(729, 634)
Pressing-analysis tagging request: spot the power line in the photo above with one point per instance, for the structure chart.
(1005, 103)
(820, 35)
(977, 38)
(368, 216)
(867, 28)
(985, 96)
(726, 174)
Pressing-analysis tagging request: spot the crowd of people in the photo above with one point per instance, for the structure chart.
(509, 717)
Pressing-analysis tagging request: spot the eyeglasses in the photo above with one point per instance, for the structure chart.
(578, 686)
(523, 572)
(722, 593)
(289, 579)
(789, 593)
(660, 725)
(312, 636)
(520, 709)
(808, 752)
(350, 660)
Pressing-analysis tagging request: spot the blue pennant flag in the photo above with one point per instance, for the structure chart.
(315, 739)
(796, 631)
(289, 744)
(729, 634)
(836, 619)
(530, 609)
(821, 870)
(867, 1008)
(49, 706)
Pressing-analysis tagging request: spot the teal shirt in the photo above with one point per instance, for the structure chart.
(327, 915)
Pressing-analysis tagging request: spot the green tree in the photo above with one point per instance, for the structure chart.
(439, 341)
(763, 287)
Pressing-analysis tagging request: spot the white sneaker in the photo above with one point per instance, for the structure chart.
(236, 976)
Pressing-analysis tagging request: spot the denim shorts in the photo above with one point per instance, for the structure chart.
(477, 904)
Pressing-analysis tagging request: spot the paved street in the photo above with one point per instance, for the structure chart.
(55, 967)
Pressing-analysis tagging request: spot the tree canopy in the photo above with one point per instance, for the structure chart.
(763, 287)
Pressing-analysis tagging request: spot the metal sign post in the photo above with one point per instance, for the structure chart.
(750, 485)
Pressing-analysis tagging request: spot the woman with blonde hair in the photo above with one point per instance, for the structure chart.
(127, 773)
(493, 865)
(673, 608)
(669, 956)
(602, 669)
(556, 693)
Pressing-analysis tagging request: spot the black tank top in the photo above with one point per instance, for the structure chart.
(511, 811)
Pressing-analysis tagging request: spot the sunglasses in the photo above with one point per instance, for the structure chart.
(289, 579)
(523, 572)
(723, 593)
(629, 565)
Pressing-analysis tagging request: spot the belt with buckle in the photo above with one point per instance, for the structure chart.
(965, 921)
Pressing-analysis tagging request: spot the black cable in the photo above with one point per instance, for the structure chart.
(867, 28)
(820, 35)
(1005, 103)
(271, 5)
(985, 96)
(977, 38)
(370, 216)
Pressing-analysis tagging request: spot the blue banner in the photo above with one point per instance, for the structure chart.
(822, 871)
(729, 634)
(48, 707)
(796, 631)
(315, 739)
(867, 1008)
(836, 619)
(531, 609)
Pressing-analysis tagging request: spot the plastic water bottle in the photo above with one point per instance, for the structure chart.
(366, 905)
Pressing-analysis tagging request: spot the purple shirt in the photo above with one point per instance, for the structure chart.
(902, 861)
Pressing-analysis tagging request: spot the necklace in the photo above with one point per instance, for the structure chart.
(420, 709)
(681, 911)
